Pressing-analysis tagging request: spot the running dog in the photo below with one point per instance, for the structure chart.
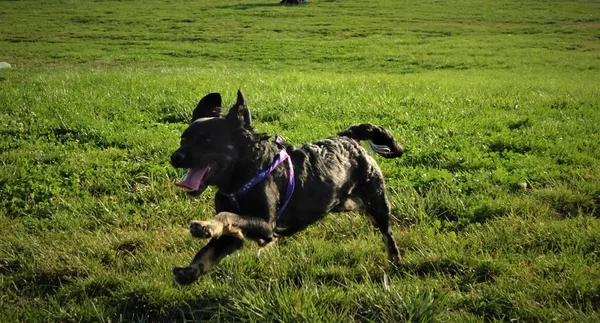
(268, 189)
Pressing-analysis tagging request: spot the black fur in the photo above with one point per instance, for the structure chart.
(331, 175)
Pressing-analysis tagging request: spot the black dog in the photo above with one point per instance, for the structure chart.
(331, 175)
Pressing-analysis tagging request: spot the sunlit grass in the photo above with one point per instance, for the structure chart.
(495, 202)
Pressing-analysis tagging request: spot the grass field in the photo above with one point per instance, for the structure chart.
(496, 202)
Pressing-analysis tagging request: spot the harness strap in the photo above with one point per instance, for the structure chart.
(263, 174)
(290, 187)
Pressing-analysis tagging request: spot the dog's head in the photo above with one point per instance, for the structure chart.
(207, 147)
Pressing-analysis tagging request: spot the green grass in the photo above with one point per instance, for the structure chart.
(484, 95)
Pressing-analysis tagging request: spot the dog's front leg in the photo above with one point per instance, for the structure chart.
(227, 223)
(209, 256)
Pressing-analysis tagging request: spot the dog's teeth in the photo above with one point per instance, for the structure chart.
(382, 149)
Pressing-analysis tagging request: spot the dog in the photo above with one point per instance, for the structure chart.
(268, 189)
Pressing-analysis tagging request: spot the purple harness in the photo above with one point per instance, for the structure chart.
(262, 175)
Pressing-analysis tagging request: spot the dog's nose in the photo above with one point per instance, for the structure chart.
(177, 158)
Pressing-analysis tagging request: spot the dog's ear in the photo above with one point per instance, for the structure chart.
(239, 113)
(209, 106)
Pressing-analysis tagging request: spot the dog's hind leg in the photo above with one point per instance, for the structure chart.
(227, 223)
(209, 256)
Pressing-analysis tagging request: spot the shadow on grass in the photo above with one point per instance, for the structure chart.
(42, 284)
(586, 300)
(433, 267)
(131, 307)
(247, 6)
(569, 203)
(468, 274)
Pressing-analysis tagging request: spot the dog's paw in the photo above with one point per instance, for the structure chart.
(265, 241)
(185, 275)
(200, 230)
(395, 259)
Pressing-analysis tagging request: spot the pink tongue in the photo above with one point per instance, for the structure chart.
(193, 178)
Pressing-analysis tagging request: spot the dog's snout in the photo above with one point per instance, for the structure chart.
(177, 158)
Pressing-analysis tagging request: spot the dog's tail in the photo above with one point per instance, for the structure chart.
(379, 139)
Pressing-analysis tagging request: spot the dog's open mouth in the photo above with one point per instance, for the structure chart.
(195, 180)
